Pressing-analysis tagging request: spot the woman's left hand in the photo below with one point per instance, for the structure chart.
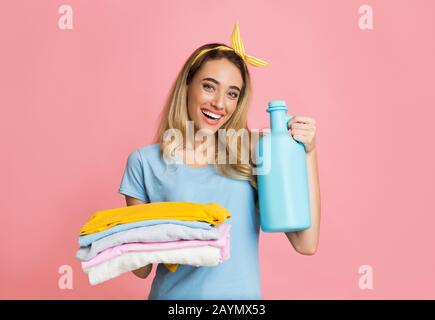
(303, 129)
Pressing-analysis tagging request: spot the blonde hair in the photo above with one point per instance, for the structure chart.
(175, 114)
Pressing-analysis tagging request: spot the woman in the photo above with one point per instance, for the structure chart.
(213, 90)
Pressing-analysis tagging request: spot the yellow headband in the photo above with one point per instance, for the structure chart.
(237, 46)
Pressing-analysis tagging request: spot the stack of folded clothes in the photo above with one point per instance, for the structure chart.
(120, 240)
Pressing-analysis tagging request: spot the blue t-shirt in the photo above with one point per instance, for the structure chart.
(147, 177)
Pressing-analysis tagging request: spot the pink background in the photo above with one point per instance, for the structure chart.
(75, 103)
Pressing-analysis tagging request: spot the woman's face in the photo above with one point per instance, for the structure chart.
(213, 94)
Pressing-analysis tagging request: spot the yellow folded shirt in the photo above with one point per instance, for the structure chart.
(186, 211)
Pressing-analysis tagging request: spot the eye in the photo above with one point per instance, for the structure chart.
(235, 95)
(207, 86)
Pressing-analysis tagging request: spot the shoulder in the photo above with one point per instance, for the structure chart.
(149, 153)
(149, 150)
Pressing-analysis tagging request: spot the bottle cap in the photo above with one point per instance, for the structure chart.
(276, 105)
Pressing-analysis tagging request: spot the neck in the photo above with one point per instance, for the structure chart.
(201, 152)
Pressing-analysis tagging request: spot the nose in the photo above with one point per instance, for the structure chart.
(218, 101)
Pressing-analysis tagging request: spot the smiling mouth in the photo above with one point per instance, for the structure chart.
(211, 115)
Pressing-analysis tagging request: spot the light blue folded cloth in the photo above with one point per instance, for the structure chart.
(86, 240)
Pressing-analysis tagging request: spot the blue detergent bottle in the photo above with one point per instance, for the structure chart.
(283, 192)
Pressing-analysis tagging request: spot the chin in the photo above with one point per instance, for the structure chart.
(208, 127)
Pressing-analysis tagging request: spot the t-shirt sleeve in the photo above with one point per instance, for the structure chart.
(133, 180)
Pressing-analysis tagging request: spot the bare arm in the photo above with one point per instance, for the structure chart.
(146, 270)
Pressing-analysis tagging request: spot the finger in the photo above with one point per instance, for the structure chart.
(300, 132)
(303, 126)
(304, 119)
(292, 121)
(300, 138)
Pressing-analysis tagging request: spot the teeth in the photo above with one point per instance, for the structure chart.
(211, 114)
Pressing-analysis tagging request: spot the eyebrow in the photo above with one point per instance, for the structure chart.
(217, 82)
